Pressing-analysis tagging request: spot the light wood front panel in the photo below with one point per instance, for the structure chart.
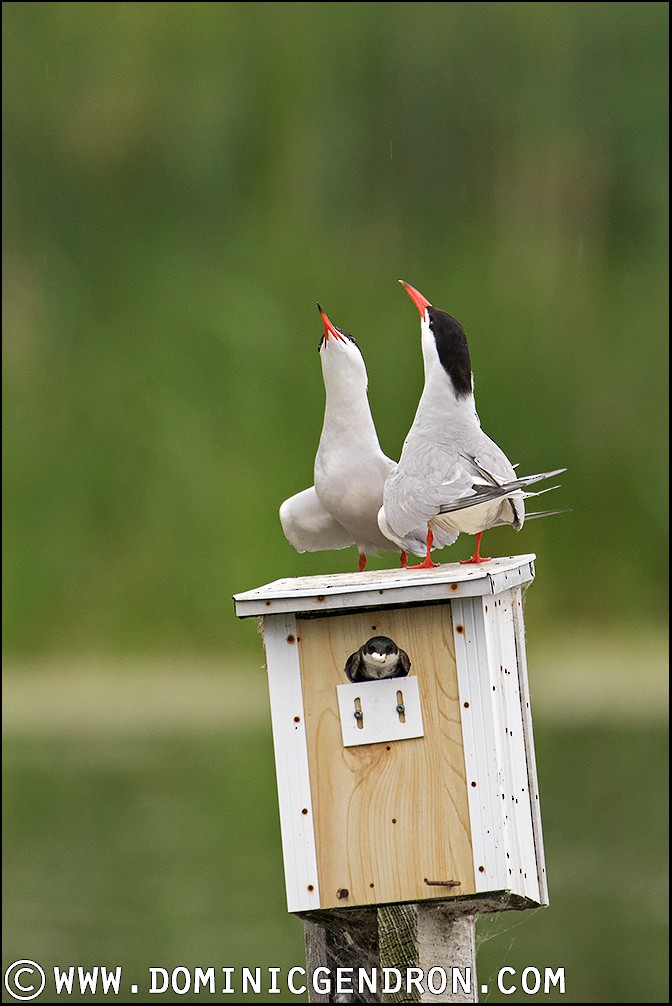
(387, 816)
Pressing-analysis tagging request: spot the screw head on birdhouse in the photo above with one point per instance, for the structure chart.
(403, 736)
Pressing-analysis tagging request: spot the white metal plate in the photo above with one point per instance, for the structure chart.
(377, 702)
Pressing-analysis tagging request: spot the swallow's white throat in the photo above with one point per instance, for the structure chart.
(380, 659)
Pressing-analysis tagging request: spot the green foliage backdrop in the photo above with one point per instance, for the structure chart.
(184, 181)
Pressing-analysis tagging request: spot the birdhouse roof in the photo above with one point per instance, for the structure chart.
(379, 588)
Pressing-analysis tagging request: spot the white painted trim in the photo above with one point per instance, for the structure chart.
(499, 756)
(480, 747)
(526, 713)
(291, 763)
(512, 745)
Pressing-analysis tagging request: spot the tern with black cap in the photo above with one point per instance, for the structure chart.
(451, 476)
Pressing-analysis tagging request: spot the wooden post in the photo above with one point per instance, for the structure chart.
(437, 941)
(421, 952)
(408, 806)
(342, 940)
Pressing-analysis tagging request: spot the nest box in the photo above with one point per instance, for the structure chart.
(414, 787)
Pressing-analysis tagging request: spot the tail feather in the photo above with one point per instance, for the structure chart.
(545, 513)
(486, 493)
(540, 492)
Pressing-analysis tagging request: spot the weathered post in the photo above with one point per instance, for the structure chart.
(409, 805)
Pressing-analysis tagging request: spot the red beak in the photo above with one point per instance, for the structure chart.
(420, 302)
(329, 329)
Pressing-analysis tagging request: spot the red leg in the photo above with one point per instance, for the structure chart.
(362, 563)
(476, 557)
(403, 559)
(427, 564)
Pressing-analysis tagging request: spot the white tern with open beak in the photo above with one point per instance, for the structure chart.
(341, 508)
(451, 476)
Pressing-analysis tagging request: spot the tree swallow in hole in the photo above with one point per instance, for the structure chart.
(378, 658)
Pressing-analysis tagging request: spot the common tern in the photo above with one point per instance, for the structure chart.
(451, 477)
(341, 508)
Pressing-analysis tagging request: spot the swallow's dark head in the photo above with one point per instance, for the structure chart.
(380, 644)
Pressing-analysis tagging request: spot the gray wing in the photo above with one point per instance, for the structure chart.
(404, 665)
(485, 492)
(432, 474)
(352, 667)
(410, 495)
(309, 527)
(436, 477)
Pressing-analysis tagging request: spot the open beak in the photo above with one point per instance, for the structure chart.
(329, 329)
(420, 302)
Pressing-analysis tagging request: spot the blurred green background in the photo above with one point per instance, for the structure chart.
(182, 182)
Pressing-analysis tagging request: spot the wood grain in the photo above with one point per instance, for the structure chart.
(387, 816)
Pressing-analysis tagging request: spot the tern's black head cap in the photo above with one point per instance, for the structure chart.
(451, 345)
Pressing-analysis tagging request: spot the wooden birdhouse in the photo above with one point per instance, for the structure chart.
(414, 787)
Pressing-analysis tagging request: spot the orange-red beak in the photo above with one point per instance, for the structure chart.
(420, 302)
(329, 329)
